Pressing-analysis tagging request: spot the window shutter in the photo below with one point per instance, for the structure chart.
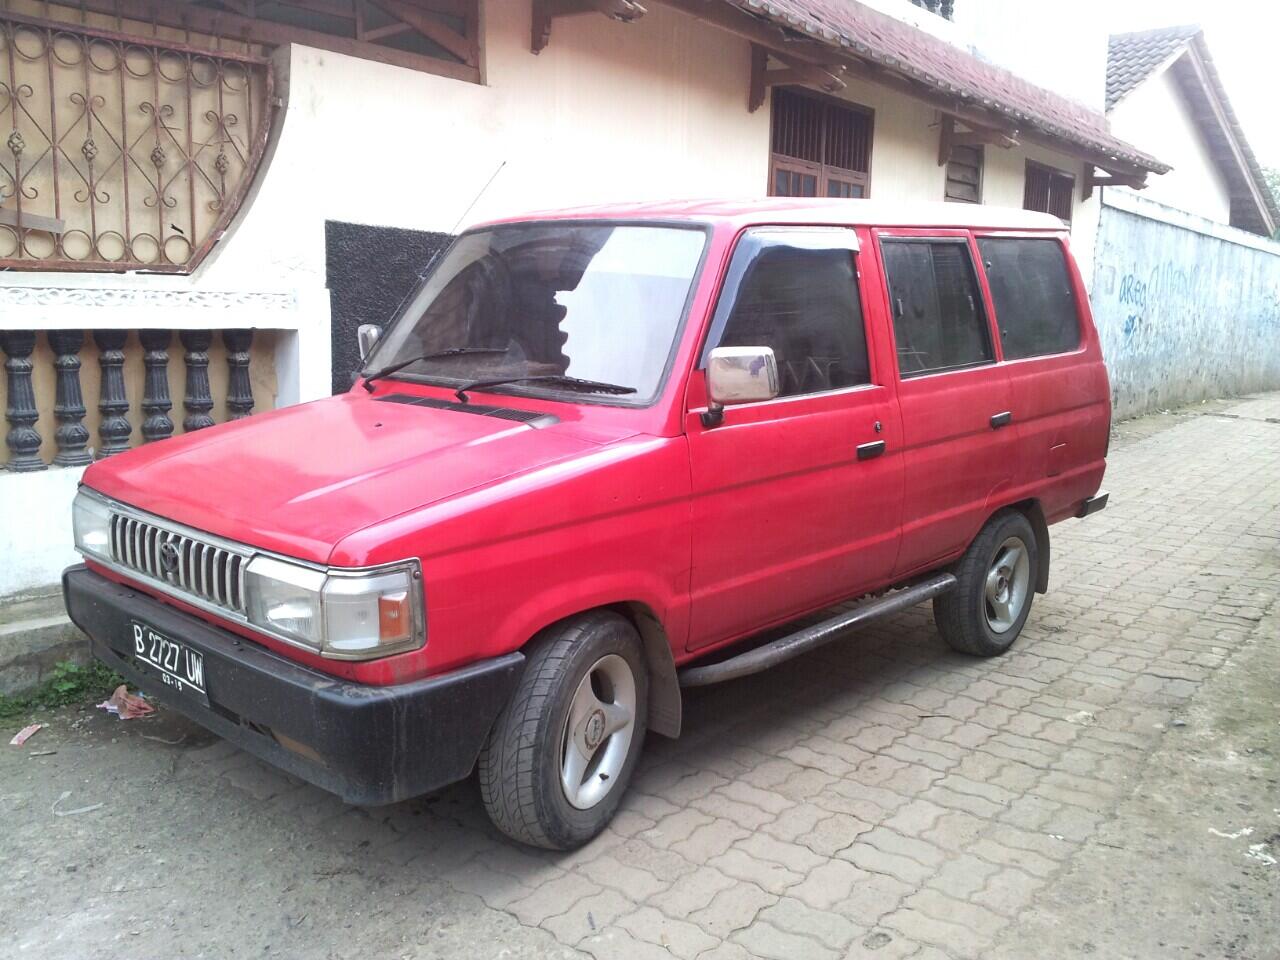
(964, 175)
(1048, 191)
(819, 148)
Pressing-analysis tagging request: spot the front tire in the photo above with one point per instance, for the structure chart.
(995, 583)
(562, 751)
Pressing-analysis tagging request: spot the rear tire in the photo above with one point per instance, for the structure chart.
(562, 751)
(986, 610)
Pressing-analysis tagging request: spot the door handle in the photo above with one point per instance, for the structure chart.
(1001, 420)
(868, 450)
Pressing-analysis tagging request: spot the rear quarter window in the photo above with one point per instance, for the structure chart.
(1035, 307)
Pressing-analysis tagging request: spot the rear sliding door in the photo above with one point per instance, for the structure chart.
(959, 451)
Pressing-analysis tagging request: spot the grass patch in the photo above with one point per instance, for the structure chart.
(68, 683)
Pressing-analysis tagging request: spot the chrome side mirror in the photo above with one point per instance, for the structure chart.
(740, 375)
(367, 335)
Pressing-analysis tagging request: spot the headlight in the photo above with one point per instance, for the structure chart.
(344, 614)
(284, 598)
(91, 523)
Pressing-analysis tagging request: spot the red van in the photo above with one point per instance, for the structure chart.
(595, 457)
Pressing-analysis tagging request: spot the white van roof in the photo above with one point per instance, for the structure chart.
(877, 213)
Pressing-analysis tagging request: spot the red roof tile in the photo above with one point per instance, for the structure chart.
(870, 35)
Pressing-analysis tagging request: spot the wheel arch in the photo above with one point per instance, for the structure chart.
(665, 699)
(1030, 508)
(665, 702)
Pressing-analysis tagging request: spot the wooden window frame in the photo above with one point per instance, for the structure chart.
(238, 28)
(981, 166)
(1051, 173)
(824, 172)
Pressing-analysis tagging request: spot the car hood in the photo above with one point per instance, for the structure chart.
(300, 479)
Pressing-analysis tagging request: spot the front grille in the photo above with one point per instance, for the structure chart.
(187, 564)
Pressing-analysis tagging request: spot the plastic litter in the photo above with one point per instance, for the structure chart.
(71, 813)
(25, 734)
(126, 705)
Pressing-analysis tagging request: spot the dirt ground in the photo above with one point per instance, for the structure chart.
(1109, 789)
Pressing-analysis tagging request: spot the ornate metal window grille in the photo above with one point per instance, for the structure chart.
(119, 152)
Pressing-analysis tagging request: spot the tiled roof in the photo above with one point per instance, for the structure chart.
(1132, 57)
(947, 70)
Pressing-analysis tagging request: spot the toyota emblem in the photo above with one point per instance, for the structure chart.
(169, 558)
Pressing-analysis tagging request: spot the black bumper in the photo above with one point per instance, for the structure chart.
(367, 744)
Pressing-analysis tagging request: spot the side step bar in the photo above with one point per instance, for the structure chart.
(810, 638)
(1092, 505)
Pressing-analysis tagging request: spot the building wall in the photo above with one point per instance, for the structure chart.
(1186, 308)
(1156, 118)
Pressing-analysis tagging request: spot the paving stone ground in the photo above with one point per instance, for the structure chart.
(1111, 788)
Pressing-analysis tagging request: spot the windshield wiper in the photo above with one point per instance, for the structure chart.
(559, 379)
(451, 352)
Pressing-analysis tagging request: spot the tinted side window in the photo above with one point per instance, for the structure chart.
(938, 320)
(1035, 308)
(798, 294)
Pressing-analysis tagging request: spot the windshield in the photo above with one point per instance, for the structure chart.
(594, 302)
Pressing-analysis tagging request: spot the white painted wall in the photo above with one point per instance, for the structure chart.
(1155, 117)
(606, 111)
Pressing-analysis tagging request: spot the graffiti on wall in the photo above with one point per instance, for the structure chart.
(1183, 316)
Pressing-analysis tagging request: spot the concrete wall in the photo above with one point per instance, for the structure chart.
(1155, 117)
(1187, 309)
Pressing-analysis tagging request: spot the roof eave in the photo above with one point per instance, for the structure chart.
(756, 21)
(1242, 154)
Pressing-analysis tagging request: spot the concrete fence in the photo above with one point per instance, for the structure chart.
(1187, 309)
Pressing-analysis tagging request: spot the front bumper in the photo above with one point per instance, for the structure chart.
(368, 744)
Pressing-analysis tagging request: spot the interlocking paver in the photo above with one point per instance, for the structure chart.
(682, 938)
(881, 798)
(732, 909)
(608, 871)
(588, 916)
(550, 897)
(692, 892)
(765, 874)
(828, 927)
(767, 941)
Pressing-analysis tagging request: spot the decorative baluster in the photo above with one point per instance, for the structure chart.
(155, 388)
(239, 390)
(113, 402)
(72, 436)
(199, 398)
(23, 440)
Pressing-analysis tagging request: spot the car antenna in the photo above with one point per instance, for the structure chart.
(476, 198)
(435, 256)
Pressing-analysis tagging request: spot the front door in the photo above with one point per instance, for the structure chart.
(959, 446)
(797, 500)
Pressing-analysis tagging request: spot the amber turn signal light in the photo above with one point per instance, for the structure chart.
(395, 619)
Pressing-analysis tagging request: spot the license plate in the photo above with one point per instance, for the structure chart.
(176, 664)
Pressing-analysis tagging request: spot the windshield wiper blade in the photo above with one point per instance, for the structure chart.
(575, 383)
(451, 352)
